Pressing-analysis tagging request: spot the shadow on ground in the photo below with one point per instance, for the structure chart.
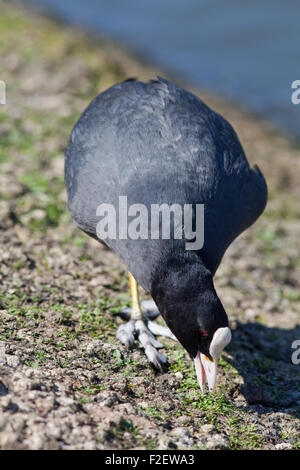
(263, 357)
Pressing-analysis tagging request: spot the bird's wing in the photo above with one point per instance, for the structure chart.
(157, 143)
(234, 194)
(241, 196)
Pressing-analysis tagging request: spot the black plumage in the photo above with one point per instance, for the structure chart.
(157, 143)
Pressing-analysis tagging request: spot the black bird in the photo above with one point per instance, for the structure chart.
(154, 149)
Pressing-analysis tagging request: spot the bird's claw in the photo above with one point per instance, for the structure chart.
(145, 330)
(156, 358)
(150, 345)
(125, 333)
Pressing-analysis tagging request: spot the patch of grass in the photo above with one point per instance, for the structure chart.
(40, 358)
(287, 210)
(267, 235)
(41, 355)
(17, 138)
(45, 208)
(292, 295)
(62, 364)
(127, 365)
(177, 358)
(150, 444)
(3, 116)
(94, 320)
(66, 314)
(268, 239)
(78, 241)
(22, 305)
(296, 445)
(31, 364)
(68, 335)
(154, 413)
(244, 436)
(53, 213)
(14, 304)
(125, 426)
(215, 406)
(92, 389)
(82, 400)
(4, 155)
(12, 22)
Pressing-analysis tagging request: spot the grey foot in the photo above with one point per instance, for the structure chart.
(139, 328)
(159, 330)
(145, 330)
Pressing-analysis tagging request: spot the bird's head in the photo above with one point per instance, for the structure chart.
(196, 316)
(206, 363)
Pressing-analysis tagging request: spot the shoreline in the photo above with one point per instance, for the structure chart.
(132, 61)
(132, 64)
(103, 18)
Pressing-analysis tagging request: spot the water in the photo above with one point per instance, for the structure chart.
(246, 50)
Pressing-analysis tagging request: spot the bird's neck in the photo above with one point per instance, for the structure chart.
(180, 275)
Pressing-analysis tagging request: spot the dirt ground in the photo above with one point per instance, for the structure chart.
(65, 380)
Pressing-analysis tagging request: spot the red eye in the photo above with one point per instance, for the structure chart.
(203, 333)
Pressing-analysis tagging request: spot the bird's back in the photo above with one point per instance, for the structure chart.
(156, 143)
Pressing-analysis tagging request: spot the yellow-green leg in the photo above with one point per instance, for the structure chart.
(142, 327)
(136, 309)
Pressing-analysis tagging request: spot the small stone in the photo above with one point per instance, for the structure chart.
(216, 441)
(183, 437)
(35, 442)
(4, 401)
(182, 420)
(52, 430)
(8, 440)
(65, 401)
(12, 361)
(179, 375)
(44, 405)
(283, 446)
(109, 399)
(94, 347)
(3, 423)
(207, 428)
(126, 408)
